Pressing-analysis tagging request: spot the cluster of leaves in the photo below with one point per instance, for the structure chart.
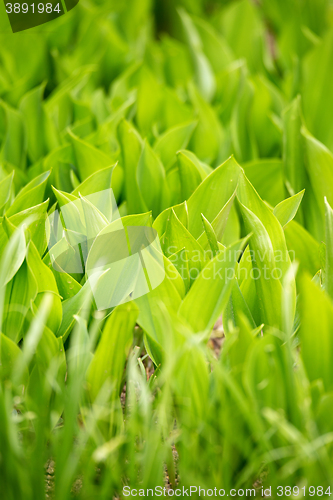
(202, 137)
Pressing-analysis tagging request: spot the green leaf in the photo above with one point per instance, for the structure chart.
(148, 100)
(90, 160)
(131, 145)
(302, 247)
(174, 139)
(211, 236)
(238, 344)
(71, 307)
(20, 292)
(13, 148)
(315, 332)
(35, 219)
(177, 238)
(151, 180)
(169, 295)
(10, 353)
(6, 191)
(72, 214)
(212, 194)
(191, 172)
(242, 22)
(203, 71)
(317, 89)
(95, 221)
(13, 256)
(67, 286)
(192, 395)
(329, 250)
(270, 257)
(209, 294)
(286, 210)
(319, 166)
(266, 176)
(98, 181)
(208, 137)
(31, 107)
(219, 224)
(161, 221)
(176, 111)
(110, 356)
(45, 283)
(214, 46)
(32, 194)
(236, 310)
(60, 162)
(266, 375)
(242, 130)
(293, 155)
(45, 393)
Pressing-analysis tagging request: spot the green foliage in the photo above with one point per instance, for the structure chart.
(210, 121)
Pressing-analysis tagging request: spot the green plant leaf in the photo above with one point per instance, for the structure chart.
(148, 100)
(293, 156)
(151, 180)
(286, 210)
(303, 246)
(46, 283)
(13, 147)
(319, 166)
(160, 223)
(45, 393)
(169, 293)
(32, 194)
(98, 181)
(177, 238)
(90, 160)
(236, 310)
(208, 137)
(191, 172)
(317, 92)
(35, 219)
(111, 353)
(131, 144)
(220, 223)
(95, 221)
(174, 139)
(316, 339)
(329, 250)
(269, 253)
(212, 194)
(266, 176)
(6, 191)
(211, 236)
(203, 71)
(10, 353)
(71, 307)
(20, 292)
(31, 107)
(13, 256)
(212, 288)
